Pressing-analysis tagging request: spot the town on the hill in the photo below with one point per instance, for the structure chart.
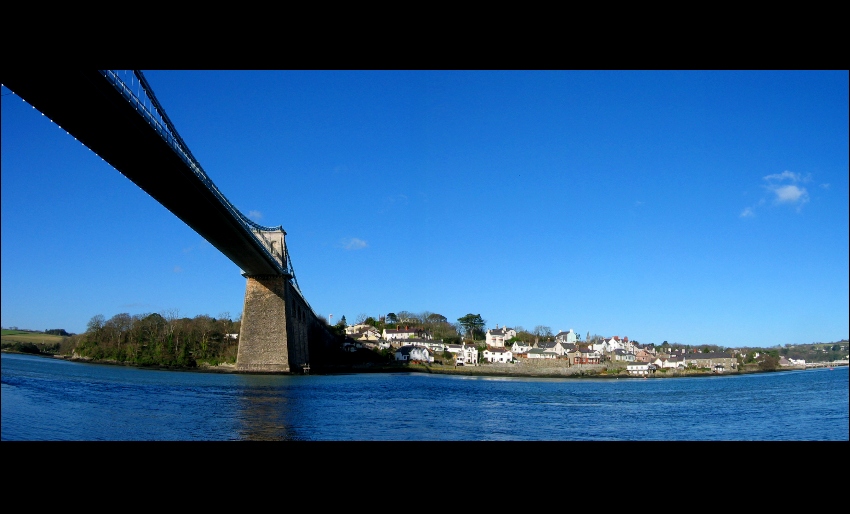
(412, 342)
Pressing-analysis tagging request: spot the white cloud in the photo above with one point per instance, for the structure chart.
(178, 269)
(825, 185)
(785, 191)
(785, 175)
(255, 214)
(790, 194)
(354, 244)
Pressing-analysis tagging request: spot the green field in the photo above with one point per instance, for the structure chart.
(19, 336)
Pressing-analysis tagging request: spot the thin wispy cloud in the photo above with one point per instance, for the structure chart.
(785, 175)
(255, 215)
(353, 244)
(784, 189)
(178, 269)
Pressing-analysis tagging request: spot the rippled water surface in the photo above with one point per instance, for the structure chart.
(46, 399)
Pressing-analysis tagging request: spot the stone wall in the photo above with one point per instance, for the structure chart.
(547, 367)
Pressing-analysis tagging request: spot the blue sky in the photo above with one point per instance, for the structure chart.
(698, 207)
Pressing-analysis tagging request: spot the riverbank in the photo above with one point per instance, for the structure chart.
(539, 369)
(521, 369)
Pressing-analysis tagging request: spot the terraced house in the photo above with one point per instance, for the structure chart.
(715, 361)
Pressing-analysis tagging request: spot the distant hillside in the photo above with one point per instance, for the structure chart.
(24, 341)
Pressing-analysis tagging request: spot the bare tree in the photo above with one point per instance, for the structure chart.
(170, 316)
(542, 331)
(95, 324)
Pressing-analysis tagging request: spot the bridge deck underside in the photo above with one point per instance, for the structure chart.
(90, 108)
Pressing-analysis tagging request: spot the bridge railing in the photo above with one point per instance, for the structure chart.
(135, 89)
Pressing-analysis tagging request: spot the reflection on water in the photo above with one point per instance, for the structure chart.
(264, 409)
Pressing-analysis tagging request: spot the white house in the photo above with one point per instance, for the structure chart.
(433, 345)
(520, 347)
(622, 355)
(404, 333)
(496, 337)
(553, 346)
(414, 353)
(363, 332)
(665, 362)
(466, 355)
(498, 355)
(566, 337)
(540, 353)
(640, 368)
(604, 346)
(615, 342)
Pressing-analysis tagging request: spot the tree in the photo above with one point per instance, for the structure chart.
(524, 335)
(392, 318)
(542, 331)
(769, 362)
(436, 318)
(95, 323)
(408, 317)
(471, 323)
(342, 321)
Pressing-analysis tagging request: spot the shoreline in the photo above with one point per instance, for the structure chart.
(519, 370)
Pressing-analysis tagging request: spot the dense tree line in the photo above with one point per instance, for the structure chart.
(157, 340)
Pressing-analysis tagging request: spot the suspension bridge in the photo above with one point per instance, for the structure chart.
(116, 114)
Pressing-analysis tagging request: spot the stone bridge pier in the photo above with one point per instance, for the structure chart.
(275, 329)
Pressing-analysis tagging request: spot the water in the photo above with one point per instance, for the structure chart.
(46, 399)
